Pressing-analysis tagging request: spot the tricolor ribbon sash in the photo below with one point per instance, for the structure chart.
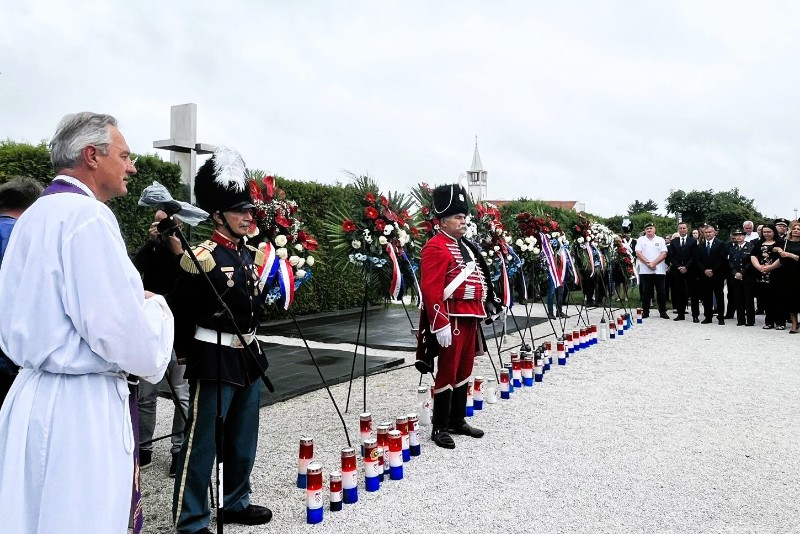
(267, 271)
(550, 260)
(286, 283)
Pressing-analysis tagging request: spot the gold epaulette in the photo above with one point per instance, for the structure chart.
(258, 256)
(203, 253)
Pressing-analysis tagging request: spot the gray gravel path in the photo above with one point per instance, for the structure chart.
(676, 427)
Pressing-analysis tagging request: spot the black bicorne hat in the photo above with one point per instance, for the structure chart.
(450, 200)
(221, 183)
(738, 231)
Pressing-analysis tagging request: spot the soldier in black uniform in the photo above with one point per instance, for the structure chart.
(740, 283)
(222, 190)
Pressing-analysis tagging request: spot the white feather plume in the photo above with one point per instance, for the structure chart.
(229, 168)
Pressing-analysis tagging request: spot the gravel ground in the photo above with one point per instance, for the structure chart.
(675, 427)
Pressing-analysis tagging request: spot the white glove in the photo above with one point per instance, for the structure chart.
(444, 337)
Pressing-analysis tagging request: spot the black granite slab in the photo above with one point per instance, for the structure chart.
(292, 370)
(388, 328)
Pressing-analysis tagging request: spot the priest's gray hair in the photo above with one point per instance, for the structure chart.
(77, 131)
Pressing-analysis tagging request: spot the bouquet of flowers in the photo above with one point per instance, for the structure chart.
(374, 233)
(489, 233)
(602, 235)
(540, 242)
(622, 257)
(278, 230)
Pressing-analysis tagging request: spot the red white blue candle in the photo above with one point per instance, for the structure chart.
(401, 425)
(395, 455)
(349, 476)
(372, 468)
(383, 442)
(504, 384)
(365, 429)
(314, 499)
(477, 393)
(516, 366)
(469, 409)
(527, 369)
(562, 352)
(336, 491)
(304, 458)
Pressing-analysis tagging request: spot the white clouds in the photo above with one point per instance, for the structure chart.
(573, 100)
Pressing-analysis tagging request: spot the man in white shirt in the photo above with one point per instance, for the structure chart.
(750, 233)
(77, 319)
(651, 251)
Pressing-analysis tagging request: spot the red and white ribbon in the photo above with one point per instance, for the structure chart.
(591, 257)
(506, 284)
(397, 279)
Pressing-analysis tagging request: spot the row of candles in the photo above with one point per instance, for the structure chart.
(396, 443)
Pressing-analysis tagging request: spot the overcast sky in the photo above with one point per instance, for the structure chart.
(601, 102)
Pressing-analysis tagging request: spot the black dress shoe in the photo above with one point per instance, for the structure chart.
(680, 318)
(443, 439)
(645, 315)
(252, 515)
(663, 316)
(695, 320)
(721, 321)
(739, 324)
(465, 429)
(706, 321)
(729, 316)
(749, 324)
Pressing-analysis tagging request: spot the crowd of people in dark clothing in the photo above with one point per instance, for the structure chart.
(760, 267)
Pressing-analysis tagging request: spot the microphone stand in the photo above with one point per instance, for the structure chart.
(168, 226)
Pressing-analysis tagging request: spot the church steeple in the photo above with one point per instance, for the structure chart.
(476, 177)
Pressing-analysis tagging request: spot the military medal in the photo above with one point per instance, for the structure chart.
(229, 273)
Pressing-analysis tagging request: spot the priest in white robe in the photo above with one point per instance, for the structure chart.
(76, 319)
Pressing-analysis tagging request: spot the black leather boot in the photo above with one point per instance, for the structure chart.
(458, 409)
(441, 418)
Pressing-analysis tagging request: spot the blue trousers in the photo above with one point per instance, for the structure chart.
(190, 508)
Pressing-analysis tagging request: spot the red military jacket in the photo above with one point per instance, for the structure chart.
(441, 262)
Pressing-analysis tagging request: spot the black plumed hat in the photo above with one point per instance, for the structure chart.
(450, 200)
(221, 183)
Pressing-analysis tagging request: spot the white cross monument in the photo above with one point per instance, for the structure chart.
(182, 143)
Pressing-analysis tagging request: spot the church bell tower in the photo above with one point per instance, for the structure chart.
(476, 177)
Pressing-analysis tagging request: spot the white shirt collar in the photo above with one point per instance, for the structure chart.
(77, 183)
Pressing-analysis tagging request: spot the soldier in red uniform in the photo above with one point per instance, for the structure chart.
(455, 287)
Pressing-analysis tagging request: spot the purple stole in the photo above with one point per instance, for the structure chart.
(57, 186)
(136, 518)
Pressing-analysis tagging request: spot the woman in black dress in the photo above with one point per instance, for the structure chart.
(765, 260)
(790, 273)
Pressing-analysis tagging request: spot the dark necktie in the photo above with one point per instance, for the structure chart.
(683, 242)
(708, 247)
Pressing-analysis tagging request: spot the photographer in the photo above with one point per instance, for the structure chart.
(159, 261)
